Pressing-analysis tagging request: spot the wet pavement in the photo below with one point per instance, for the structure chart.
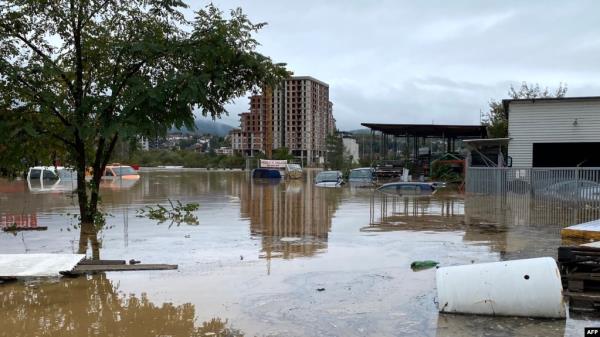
(285, 259)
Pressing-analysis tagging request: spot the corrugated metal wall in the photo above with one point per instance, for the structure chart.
(550, 122)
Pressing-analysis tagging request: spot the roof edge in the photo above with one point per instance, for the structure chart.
(506, 102)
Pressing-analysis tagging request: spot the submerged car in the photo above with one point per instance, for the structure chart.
(329, 179)
(363, 176)
(51, 178)
(293, 171)
(265, 173)
(572, 190)
(120, 171)
(408, 188)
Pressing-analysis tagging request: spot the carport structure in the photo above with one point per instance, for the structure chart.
(416, 134)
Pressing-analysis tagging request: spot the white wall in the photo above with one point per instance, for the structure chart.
(351, 147)
(550, 122)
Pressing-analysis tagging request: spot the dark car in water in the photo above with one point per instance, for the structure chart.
(408, 188)
(572, 190)
(264, 173)
(361, 177)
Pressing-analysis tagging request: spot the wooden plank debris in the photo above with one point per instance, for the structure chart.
(96, 268)
(33, 265)
(102, 262)
(586, 231)
(36, 265)
(21, 229)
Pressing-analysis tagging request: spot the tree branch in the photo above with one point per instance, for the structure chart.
(39, 52)
(111, 148)
(93, 13)
(61, 138)
(117, 91)
(33, 93)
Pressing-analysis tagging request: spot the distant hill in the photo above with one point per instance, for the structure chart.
(208, 126)
(364, 131)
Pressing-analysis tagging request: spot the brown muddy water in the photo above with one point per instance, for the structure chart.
(254, 263)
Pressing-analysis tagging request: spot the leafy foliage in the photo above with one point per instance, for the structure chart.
(282, 153)
(186, 158)
(496, 119)
(76, 76)
(336, 158)
(177, 213)
(444, 172)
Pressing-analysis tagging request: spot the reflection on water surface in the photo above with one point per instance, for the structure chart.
(93, 306)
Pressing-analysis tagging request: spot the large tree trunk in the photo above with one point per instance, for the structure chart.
(88, 207)
(88, 236)
(81, 167)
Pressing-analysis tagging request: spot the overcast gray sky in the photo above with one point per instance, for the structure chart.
(427, 61)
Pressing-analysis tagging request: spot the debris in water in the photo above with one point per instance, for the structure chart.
(422, 265)
(288, 239)
(525, 288)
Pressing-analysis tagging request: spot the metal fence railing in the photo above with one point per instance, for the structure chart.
(538, 196)
(575, 186)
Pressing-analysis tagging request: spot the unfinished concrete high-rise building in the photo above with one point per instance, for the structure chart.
(296, 115)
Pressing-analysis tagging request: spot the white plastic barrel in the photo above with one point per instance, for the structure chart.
(530, 287)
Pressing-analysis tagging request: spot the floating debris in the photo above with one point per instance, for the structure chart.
(289, 239)
(422, 265)
(527, 288)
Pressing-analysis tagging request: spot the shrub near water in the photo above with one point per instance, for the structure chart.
(187, 159)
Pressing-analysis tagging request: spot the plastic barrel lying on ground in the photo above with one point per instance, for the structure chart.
(530, 287)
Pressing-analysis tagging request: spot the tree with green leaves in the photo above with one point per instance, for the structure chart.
(282, 153)
(497, 120)
(77, 76)
(335, 158)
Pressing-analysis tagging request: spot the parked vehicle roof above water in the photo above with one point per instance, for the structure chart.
(265, 173)
(361, 174)
(51, 179)
(407, 188)
(118, 170)
(293, 167)
(327, 176)
(45, 172)
(572, 190)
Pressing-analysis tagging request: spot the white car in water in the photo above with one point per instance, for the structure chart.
(51, 179)
(329, 179)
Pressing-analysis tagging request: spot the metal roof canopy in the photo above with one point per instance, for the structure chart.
(429, 130)
(486, 142)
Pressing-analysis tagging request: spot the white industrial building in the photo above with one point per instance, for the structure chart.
(351, 148)
(554, 132)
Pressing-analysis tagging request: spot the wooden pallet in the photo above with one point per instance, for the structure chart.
(580, 273)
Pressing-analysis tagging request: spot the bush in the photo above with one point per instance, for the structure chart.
(444, 172)
(186, 158)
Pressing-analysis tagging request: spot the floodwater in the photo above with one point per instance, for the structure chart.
(285, 259)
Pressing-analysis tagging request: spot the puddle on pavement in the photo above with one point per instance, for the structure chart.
(253, 265)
